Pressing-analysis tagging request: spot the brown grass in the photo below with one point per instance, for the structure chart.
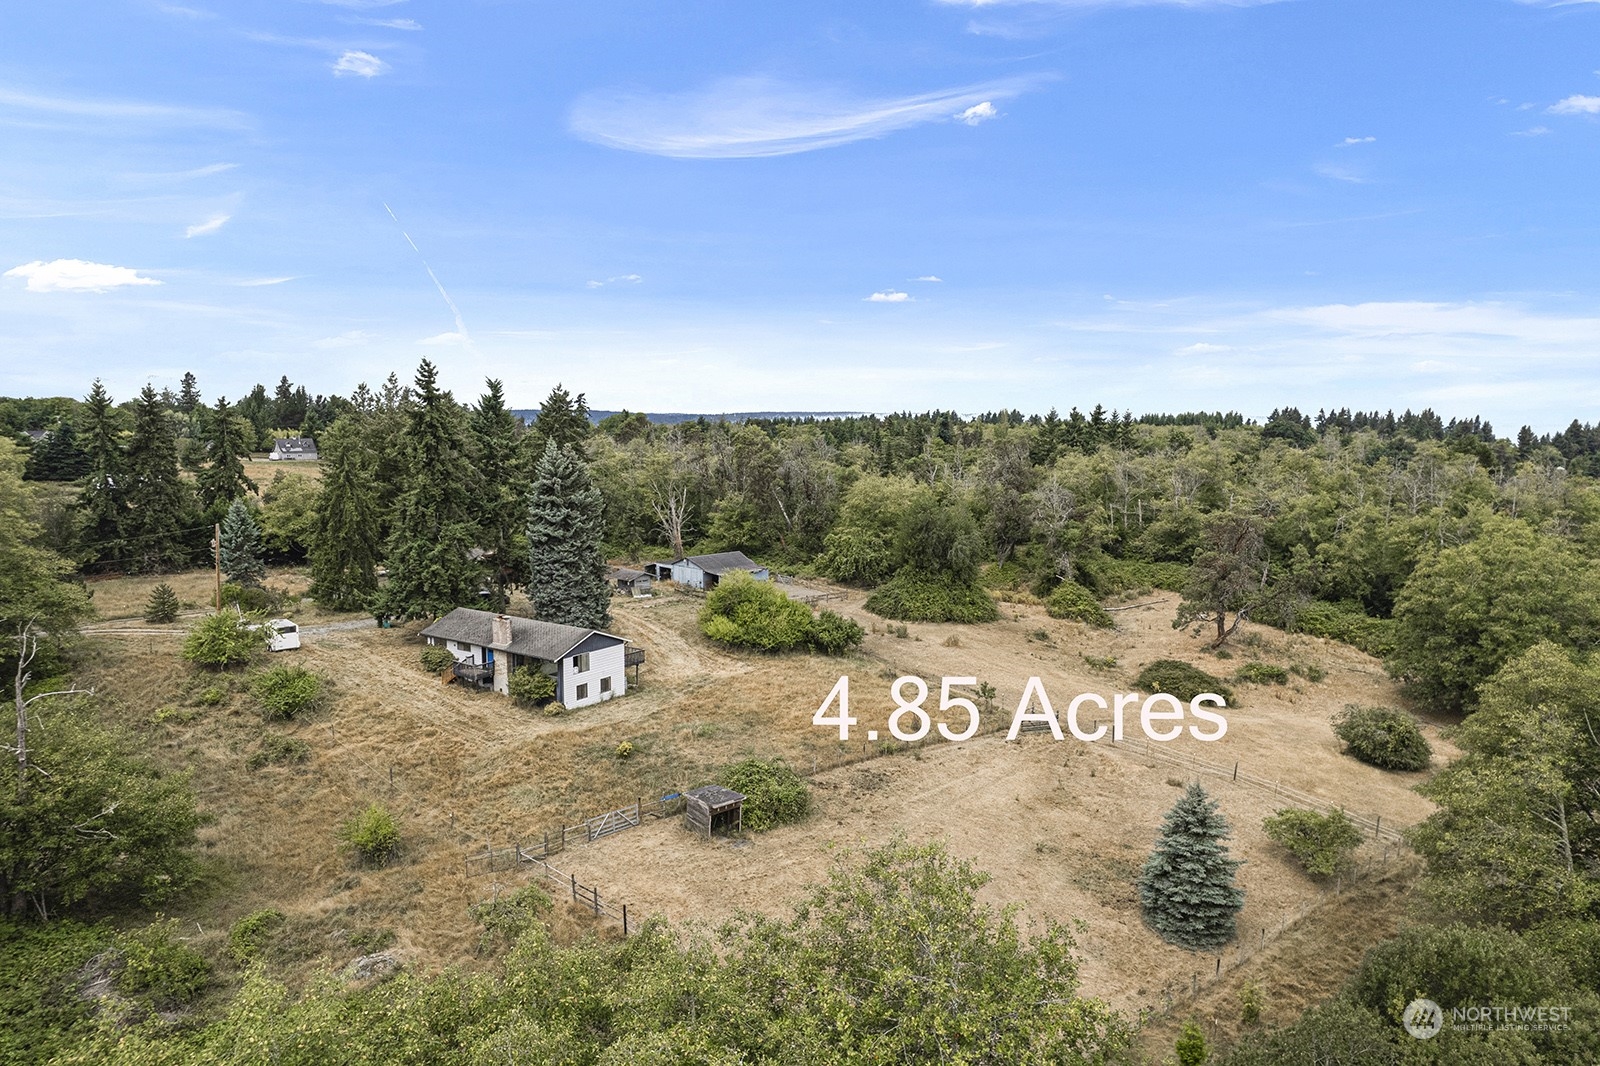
(1061, 826)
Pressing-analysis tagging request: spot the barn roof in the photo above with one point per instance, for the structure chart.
(538, 640)
(721, 562)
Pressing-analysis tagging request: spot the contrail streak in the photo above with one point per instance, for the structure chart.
(461, 324)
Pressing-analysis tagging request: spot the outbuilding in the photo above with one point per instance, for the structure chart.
(635, 583)
(712, 807)
(704, 571)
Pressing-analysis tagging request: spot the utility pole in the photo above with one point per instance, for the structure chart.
(216, 551)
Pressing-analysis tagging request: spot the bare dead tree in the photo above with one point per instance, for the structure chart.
(27, 650)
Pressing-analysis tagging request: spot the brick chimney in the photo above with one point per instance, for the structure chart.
(500, 632)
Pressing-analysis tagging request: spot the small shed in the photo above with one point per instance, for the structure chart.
(712, 807)
(633, 582)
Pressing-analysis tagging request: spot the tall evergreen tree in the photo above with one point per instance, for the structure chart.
(188, 393)
(562, 419)
(1186, 888)
(241, 546)
(103, 501)
(58, 457)
(435, 526)
(226, 442)
(567, 569)
(503, 502)
(347, 542)
(158, 501)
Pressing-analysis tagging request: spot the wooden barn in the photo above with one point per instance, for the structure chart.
(712, 807)
(704, 571)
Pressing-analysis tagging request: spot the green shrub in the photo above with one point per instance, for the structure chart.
(163, 605)
(531, 686)
(505, 918)
(372, 834)
(1190, 1046)
(1454, 965)
(1250, 1002)
(1071, 600)
(1177, 678)
(835, 634)
(1322, 842)
(555, 709)
(224, 639)
(624, 750)
(1310, 671)
(277, 749)
(1343, 622)
(436, 658)
(159, 968)
(1382, 737)
(1262, 674)
(775, 794)
(747, 613)
(1107, 576)
(215, 696)
(251, 599)
(286, 692)
(918, 596)
(251, 933)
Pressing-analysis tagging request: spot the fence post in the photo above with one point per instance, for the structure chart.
(1377, 827)
(574, 887)
(488, 856)
(563, 838)
(596, 891)
(516, 850)
(1236, 769)
(624, 919)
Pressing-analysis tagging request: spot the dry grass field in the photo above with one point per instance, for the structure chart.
(1061, 826)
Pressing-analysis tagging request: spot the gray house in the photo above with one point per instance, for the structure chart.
(704, 571)
(588, 665)
(302, 449)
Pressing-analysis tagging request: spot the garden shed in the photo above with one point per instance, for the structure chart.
(712, 807)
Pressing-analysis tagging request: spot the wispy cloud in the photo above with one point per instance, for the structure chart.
(889, 296)
(451, 338)
(411, 25)
(361, 64)
(256, 283)
(208, 227)
(120, 110)
(76, 275)
(1128, 3)
(361, 5)
(1536, 131)
(1351, 142)
(746, 118)
(632, 279)
(182, 12)
(1338, 173)
(1577, 104)
(930, 277)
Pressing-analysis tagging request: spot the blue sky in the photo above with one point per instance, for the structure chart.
(713, 205)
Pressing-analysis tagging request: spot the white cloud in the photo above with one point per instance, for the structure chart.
(889, 296)
(256, 283)
(632, 279)
(394, 24)
(930, 277)
(121, 110)
(1536, 131)
(1126, 3)
(76, 275)
(1202, 348)
(349, 339)
(209, 226)
(183, 12)
(1577, 104)
(361, 64)
(746, 118)
(451, 338)
(361, 5)
(978, 113)
(1350, 142)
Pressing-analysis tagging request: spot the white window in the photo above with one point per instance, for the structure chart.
(583, 692)
(580, 663)
(605, 684)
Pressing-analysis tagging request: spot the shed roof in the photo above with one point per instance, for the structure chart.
(538, 640)
(721, 562)
(622, 573)
(716, 797)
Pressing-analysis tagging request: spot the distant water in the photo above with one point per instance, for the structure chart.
(670, 417)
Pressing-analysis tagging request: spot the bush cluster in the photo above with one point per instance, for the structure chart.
(278, 749)
(372, 834)
(1179, 679)
(286, 692)
(436, 658)
(1382, 737)
(224, 639)
(530, 685)
(747, 613)
(158, 967)
(251, 933)
(1343, 622)
(1107, 576)
(1262, 674)
(1072, 601)
(774, 794)
(1322, 842)
(919, 596)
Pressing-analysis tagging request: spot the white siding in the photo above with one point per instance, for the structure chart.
(603, 662)
(687, 573)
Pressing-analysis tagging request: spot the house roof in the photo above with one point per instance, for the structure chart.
(537, 640)
(294, 444)
(722, 562)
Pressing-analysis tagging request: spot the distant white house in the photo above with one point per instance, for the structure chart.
(588, 665)
(704, 571)
(302, 449)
